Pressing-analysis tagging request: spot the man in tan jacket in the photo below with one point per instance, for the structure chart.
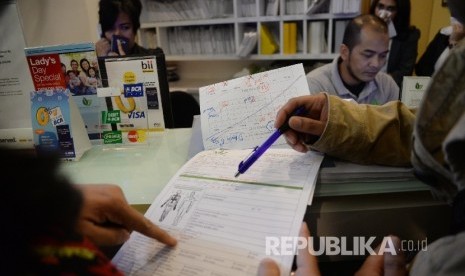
(432, 139)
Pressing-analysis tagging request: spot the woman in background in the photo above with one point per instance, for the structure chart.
(119, 21)
(403, 48)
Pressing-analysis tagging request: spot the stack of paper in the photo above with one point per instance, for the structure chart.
(339, 171)
(342, 178)
(345, 6)
(187, 9)
(201, 40)
(248, 44)
(221, 222)
(272, 7)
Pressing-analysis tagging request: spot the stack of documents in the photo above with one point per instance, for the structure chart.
(316, 38)
(201, 40)
(342, 178)
(248, 44)
(180, 10)
(222, 222)
(345, 6)
(339, 171)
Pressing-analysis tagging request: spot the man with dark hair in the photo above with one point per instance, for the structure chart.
(119, 21)
(355, 74)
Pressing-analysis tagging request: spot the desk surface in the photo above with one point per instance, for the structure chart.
(404, 208)
(141, 171)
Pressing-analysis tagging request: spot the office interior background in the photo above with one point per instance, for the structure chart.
(49, 22)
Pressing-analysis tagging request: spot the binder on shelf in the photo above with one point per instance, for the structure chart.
(248, 43)
(316, 40)
(272, 7)
(345, 6)
(290, 38)
(286, 38)
(268, 45)
(316, 5)
(293, 38)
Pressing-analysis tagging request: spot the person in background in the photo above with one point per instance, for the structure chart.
(403, 45)
(432, 139)
(52, 227)
(121, 18)
(438, 49)
(355, 73)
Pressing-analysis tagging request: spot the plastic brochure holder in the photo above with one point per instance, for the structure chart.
(137, 98)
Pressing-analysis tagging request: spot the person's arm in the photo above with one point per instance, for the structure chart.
(361, 133)
(426, 63)
(107, 219)
(102, 47)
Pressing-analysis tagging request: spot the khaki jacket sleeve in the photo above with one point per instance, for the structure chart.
(368, 134)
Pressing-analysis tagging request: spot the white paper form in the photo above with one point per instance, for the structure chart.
(240, 113)
(222, 222)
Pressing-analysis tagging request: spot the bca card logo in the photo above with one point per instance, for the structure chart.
(133, 90)
(56, 116)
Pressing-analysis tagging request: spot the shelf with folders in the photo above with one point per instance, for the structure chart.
(252, 29)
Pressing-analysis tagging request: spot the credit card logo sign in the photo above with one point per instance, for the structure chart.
(136, 136)
(112, 137)
(133, 90)
(147, 65)
(111, 117)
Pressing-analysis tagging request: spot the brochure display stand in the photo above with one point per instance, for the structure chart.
(137, 99)
(57, 124)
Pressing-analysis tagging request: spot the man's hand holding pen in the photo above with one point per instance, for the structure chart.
(258, 151)
(304, 129)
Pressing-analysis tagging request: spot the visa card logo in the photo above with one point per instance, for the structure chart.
(133, 90)
(136, 115)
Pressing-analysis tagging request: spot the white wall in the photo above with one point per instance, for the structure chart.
(50, 22)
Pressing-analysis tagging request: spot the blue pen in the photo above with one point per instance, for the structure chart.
(259, 150)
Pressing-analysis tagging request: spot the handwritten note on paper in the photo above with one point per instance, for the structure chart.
(240, 113)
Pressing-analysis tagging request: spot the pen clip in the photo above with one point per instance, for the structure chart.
(247, 157)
